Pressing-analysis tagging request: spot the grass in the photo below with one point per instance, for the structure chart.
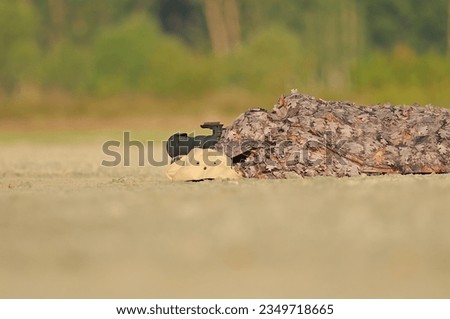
(59, 117)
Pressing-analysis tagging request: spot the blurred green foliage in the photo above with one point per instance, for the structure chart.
(401, 67)
(19, 50)
(97, 49)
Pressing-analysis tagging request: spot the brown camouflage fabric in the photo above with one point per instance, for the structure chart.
(305, 136)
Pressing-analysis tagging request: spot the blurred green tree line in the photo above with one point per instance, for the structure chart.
(192, 47)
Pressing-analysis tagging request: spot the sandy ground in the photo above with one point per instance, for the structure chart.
(71, 228)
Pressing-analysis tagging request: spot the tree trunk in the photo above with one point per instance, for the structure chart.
(231, 12)
(222, 17)
(216, 27)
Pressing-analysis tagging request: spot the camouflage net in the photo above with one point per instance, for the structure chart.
(306, 136)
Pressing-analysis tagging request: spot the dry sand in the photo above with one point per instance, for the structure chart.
(71, 228)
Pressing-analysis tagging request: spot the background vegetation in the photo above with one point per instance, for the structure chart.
(62, 58)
